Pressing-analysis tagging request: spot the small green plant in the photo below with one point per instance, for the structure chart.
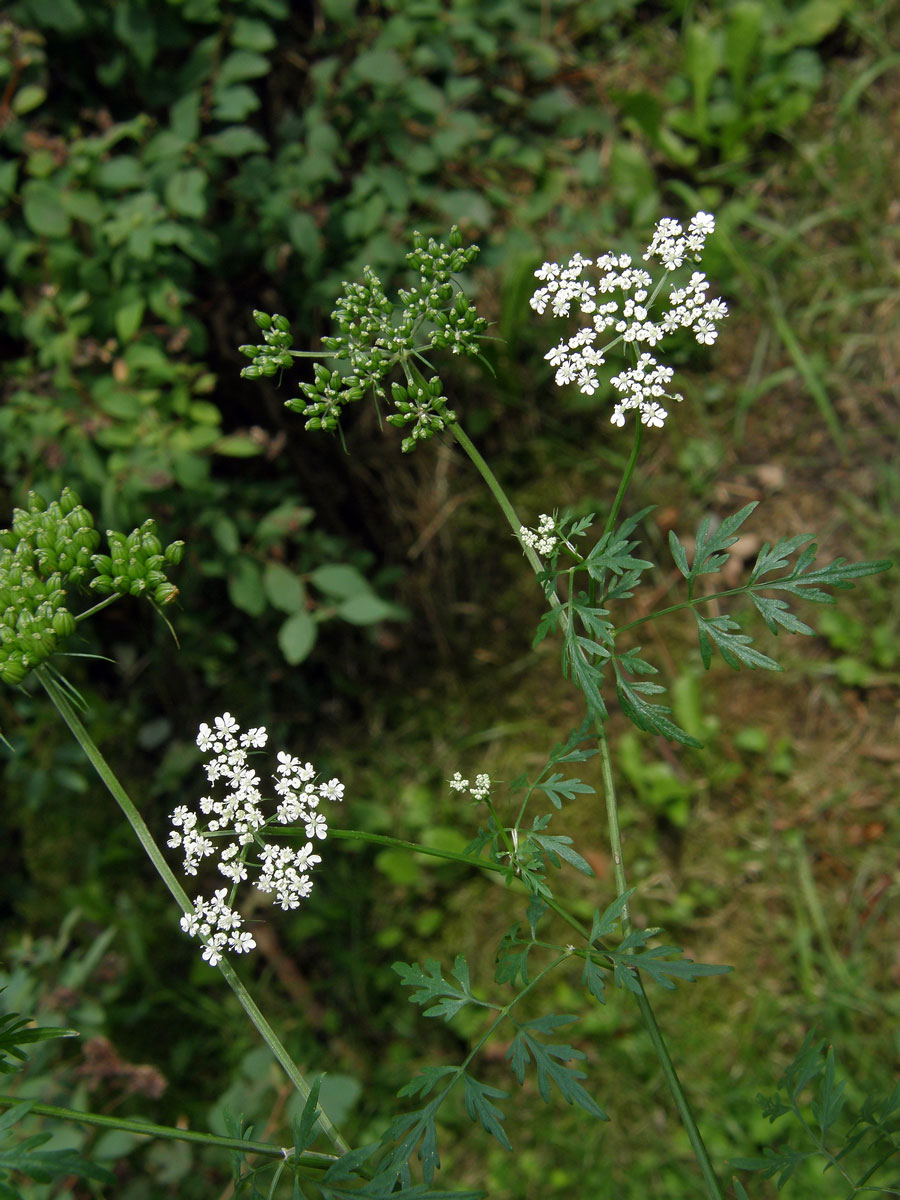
(854, 1142)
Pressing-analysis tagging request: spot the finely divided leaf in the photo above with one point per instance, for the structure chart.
(550, 1062)
(783, 1163)
(426, 1079)
(407, 1130)
(479, 1108)
(651, 718)
(561, 845)
(776, 612)
(512, 957)
(679, 554)
(558, 786)
(431, 985)
(661, 968)
(593, 978)
(612, 916)
(305, 1128)
(829, 1104)
(735, 647)
(711, 546)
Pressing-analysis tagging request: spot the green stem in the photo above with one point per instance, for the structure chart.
(649, 1018)
(626, 477)
(136, 821)
(497, 492)
(673, 608)
(170, 1133)
(99, 607)
(656, 1038)
(612, 818)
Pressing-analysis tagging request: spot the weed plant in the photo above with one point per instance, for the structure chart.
(589, 572)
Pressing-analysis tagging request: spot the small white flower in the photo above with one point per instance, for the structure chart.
(242, 942)
(241, 814)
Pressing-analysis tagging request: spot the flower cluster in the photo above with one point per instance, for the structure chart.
(619, 302)
(543, 539)
(236, 824)
(47, 553)
(478, 790)
(136, 565)
(374, 336)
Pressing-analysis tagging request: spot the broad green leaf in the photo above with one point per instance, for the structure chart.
(184, 116)
(304, 234)
(43, 209)
(186, 192)
(245, 587)
(297, 636)
(339, 580)
(136, 29)
(128, 318)
(379, 66)
(122, 172)
(366, 608)
(284, 589)
(236, 141)
(234, 103)
(27, 98)
(249, 34)
(241, 65)
(237, 445)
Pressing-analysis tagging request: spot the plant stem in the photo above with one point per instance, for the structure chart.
(136, 821)
(497, 492)
(626, 477)
(656, 1038)
(168, 1132)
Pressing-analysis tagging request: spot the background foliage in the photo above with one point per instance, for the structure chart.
(169, 166)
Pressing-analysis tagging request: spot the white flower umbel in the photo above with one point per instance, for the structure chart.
(234, 831)
(543, 539)
(478, 791)
(620, 301)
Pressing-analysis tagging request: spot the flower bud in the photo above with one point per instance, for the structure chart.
(13, 672)
(263, 320)
(174, 552)
(63, 623)
(68, 500)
